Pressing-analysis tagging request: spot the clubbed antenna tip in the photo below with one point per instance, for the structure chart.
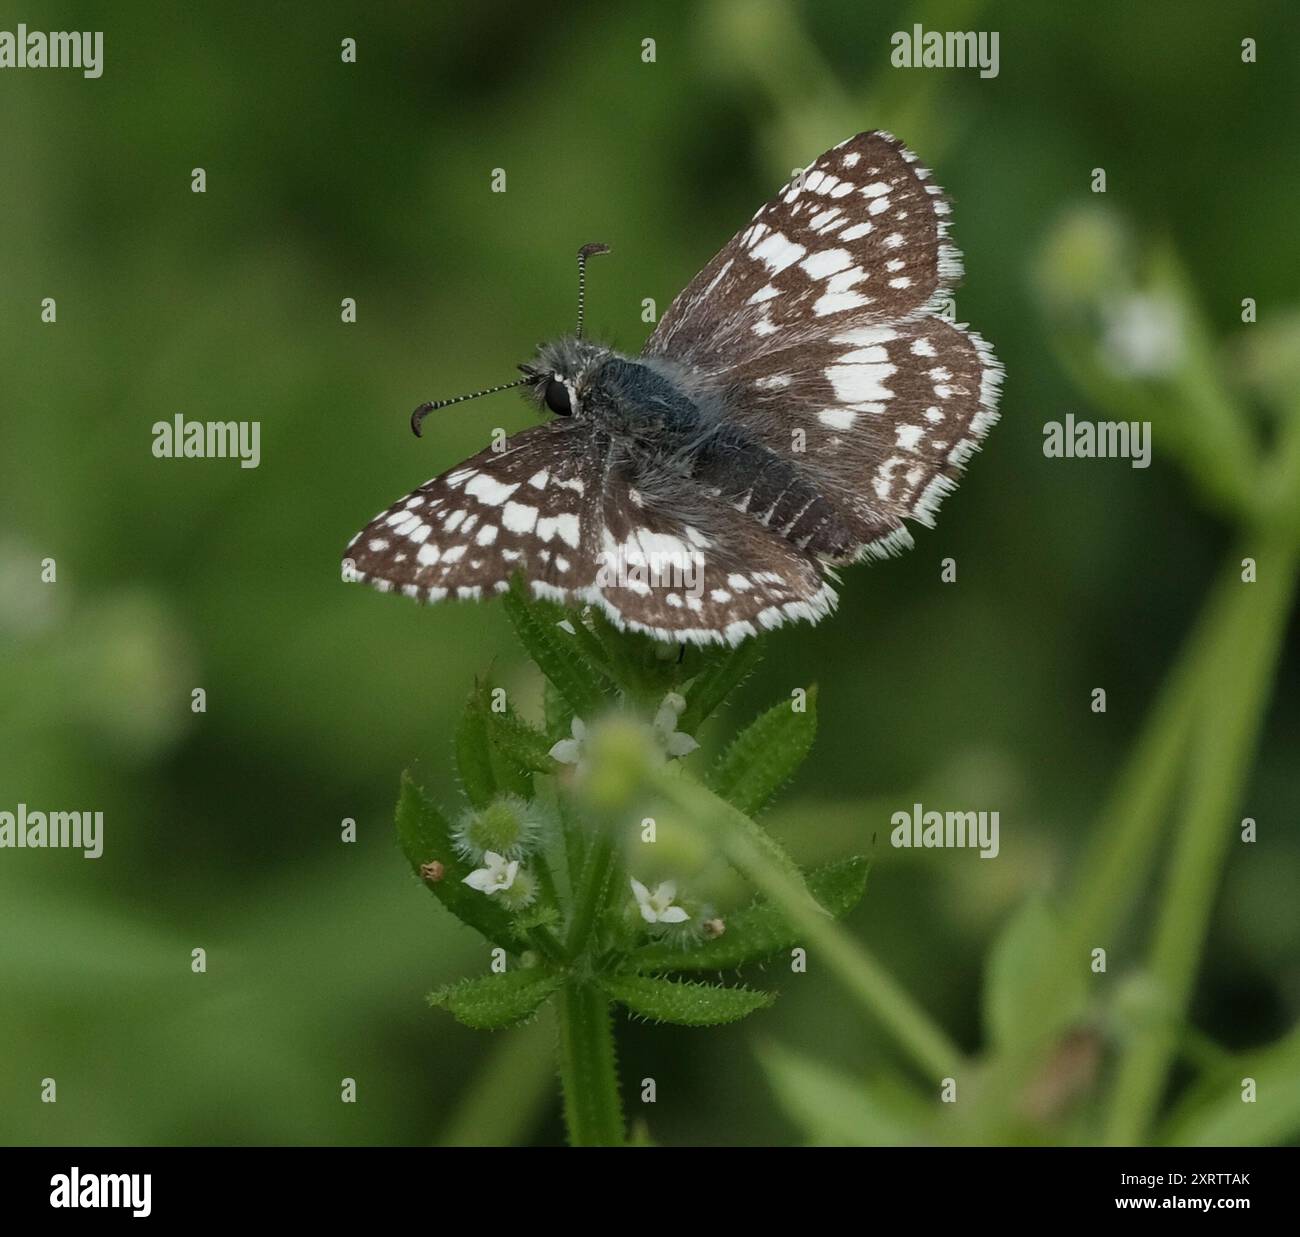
(583, 254)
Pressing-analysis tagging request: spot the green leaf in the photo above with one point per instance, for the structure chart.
(760, 930)
(497, 753)
(685, 1004)
(497, 1001)
(1027, 999)
(557, 712)
(765, 755)
(425, 836)
(723, 673)
(642, 667)
(539, 915)
(556, 654)
(519, 741)
(1215, 1115)
(474, 752)
(835, 1109)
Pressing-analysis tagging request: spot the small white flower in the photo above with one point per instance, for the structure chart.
(658, 907)
(665, 726)
(496, 876)
(569, 751)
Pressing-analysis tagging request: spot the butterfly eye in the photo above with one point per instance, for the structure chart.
(556, 396)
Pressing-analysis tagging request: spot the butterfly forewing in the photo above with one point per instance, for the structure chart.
(465, 533)
(860, 235)
(560, 506)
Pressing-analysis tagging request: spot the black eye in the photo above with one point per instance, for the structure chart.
(556, 396)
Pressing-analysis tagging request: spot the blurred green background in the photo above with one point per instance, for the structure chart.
(327, 180)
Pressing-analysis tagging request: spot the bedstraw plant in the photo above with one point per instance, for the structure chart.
(607, 865)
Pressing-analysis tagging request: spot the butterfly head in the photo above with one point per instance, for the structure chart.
(561, 374)
(558, 377)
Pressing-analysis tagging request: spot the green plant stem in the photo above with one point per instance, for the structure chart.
(547, 945)
(1232, 698)
(875, 990)
(1118, 861)
(593, 1109)
(591, 892)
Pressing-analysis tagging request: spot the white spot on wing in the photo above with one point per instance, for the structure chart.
(518, 518)
(826, 262)
(866, 335)
(777, 252)
(908, 436)
(835, 302)
(489, 490)
(855, 383)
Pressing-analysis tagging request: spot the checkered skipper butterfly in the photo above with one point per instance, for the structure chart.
(796, 404)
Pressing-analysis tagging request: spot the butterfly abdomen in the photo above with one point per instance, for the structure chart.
(769, 488)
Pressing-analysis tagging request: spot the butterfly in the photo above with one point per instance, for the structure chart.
(800, 400)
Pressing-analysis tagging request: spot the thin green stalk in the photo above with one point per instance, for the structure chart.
(862, 976)
(542, 937)
(588, 1064)
(547, 945)
(1233, 697)
(593, 1109)
(590, 892)
(1117, 864)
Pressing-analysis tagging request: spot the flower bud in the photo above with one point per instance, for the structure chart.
(507, 826)
(521, 893)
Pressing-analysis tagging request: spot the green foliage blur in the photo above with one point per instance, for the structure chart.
(328, 180)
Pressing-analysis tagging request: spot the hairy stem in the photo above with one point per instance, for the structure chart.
(590, 892)
(593, 1109)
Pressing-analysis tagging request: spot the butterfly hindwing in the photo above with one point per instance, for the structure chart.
(880, 419)
(682, 566)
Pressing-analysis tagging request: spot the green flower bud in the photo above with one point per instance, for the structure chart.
(508, 826)
(619, 753)
(522, 891)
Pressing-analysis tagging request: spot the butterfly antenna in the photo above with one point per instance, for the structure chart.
(583, 254)
(433, 405)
